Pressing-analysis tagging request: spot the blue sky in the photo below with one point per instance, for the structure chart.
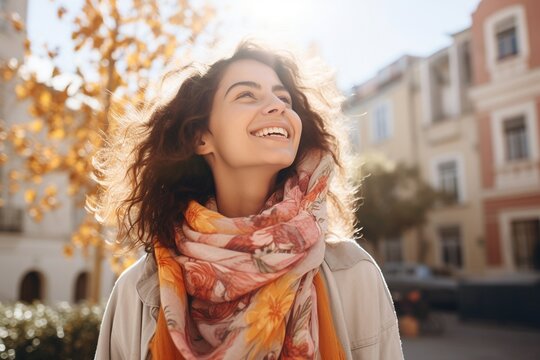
(356, 38)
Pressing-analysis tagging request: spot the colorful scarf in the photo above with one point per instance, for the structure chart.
(243, 288)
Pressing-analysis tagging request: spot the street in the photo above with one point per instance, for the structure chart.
(475, 340)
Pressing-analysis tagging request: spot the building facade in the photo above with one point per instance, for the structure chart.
(468, 118)
(32, 261)
(446, 133)
(382, 114)
(506, 95)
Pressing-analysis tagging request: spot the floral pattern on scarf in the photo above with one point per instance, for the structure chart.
(242, 288)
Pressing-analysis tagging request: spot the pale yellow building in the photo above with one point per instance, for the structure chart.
(449, 159)
(417, 111)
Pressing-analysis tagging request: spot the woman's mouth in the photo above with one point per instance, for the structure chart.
(275, 132)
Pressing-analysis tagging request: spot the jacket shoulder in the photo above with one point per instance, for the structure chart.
(367, 306)
(130, 276)
(142, 278)
(345, 253)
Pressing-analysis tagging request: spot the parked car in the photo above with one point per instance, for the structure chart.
(438, 291)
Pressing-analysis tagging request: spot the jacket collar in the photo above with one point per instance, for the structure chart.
(339, 255)
(148, 283)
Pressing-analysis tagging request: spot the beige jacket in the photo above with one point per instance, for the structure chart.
(361, 306)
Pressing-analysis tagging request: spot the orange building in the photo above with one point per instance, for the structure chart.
(506, 97)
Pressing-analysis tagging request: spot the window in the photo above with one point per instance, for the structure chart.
(526, 243)
(31, 287)
(451, 246)
(507, 43)
(381, 123)
(448, 179)
(443, 92)
(11, 219)
(392, 250)
(515, 137)
(81, 287)
(466, 63)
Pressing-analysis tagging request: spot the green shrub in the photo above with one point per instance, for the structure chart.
(38, 331)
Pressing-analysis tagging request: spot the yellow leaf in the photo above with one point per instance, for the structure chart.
(72, 189)
(61, 11)
(55, 162)
(36, 214)
(85, 230)
(170, 48)
(7, 74)
(57, 134)
(21, 91)
(36, 125)
(27, 45)
(49, 203)
(50, 190)
(68, 250)
(76, 239)
(132, 60)
(95, 240)
(34, 110)
(17, 22)
(37, 179)
(30, 196)
(45, 100)
(14, 175)
(3, 158)
(56, 120)
(80, 167)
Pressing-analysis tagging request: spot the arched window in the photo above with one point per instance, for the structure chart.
(81, 287)
(31, 288)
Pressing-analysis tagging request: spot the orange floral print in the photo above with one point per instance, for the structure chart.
(168, 271)
(266, 319)
(200, 218)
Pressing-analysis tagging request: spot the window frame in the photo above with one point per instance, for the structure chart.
(458, 159)
(454, 243)
(377, 123)
(515, 151)
(511, 65)
(498, 118)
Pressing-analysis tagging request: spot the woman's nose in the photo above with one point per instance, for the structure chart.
(275, 106)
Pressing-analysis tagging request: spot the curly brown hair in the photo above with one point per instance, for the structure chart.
(149, 171)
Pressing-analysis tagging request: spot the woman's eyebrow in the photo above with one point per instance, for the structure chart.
(279, 88)
(255, 85)
(243, 83)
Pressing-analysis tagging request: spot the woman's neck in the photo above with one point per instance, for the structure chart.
(243, 193)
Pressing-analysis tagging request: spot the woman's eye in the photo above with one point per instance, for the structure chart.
(248, 94)
(285, 99)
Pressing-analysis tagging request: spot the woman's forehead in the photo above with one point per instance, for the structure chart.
(248, 70)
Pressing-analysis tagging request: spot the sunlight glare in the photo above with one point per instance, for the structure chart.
(279, 20)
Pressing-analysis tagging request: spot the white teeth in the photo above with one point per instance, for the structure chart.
(273, 131)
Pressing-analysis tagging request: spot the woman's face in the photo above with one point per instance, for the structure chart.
(252, 122)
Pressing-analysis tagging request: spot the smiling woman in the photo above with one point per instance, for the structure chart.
(230, 191)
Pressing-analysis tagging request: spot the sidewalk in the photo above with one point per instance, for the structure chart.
(475, 340)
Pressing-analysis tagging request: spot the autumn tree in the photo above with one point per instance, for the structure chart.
(393, 198)
(120, 48)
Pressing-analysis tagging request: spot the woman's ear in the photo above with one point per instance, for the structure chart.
(202, 144)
